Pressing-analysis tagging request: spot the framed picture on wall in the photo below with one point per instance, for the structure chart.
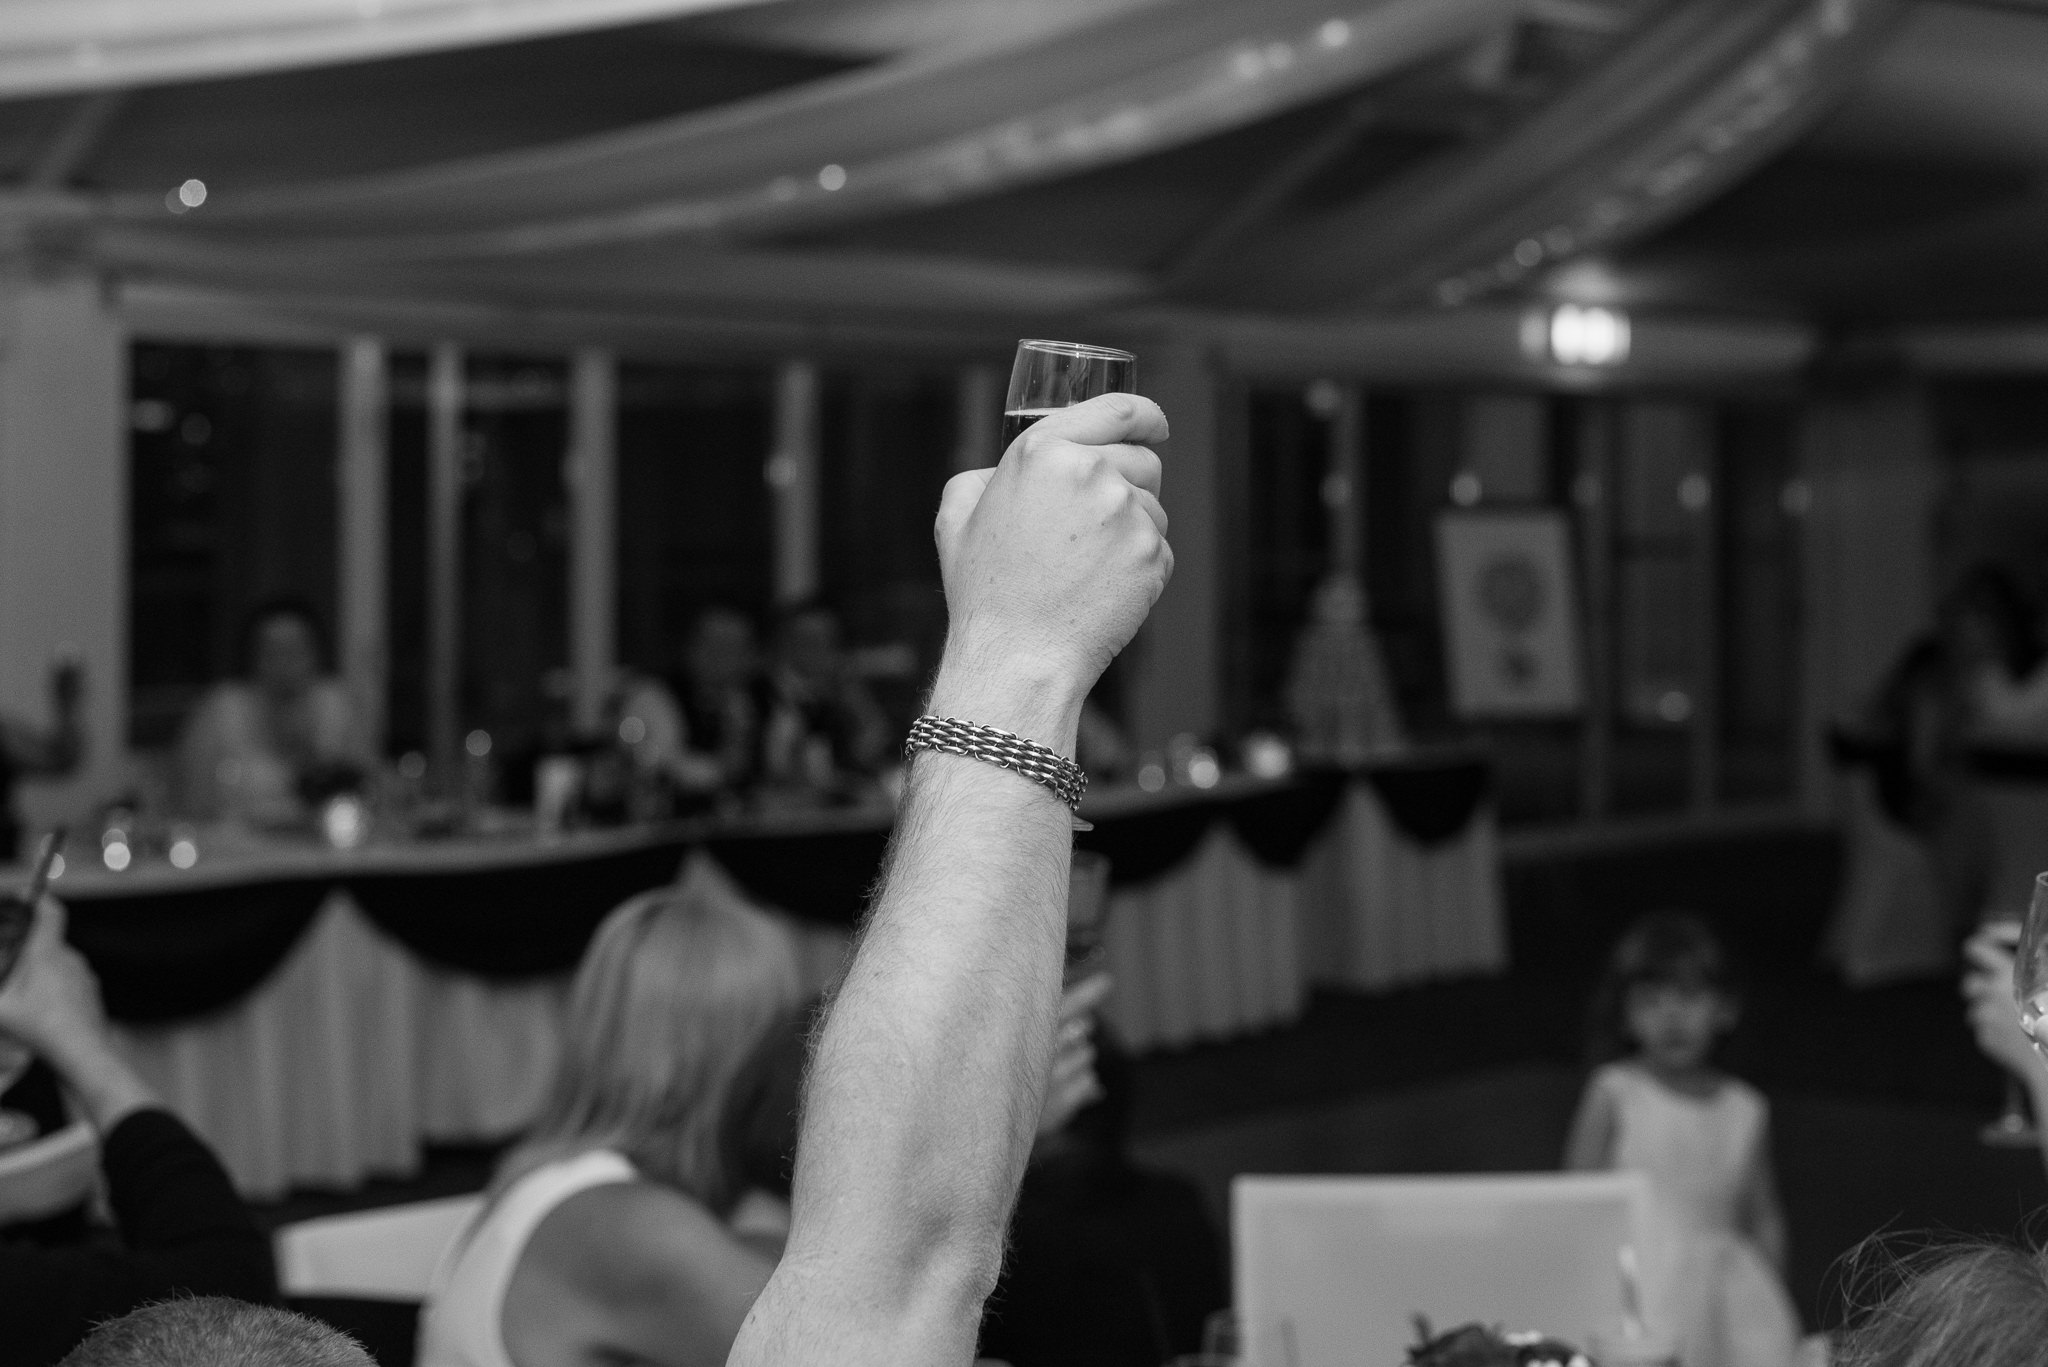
(1510, 613)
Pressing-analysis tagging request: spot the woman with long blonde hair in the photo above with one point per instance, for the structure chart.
(614, 1232)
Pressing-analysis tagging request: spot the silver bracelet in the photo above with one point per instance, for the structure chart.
(951, 736)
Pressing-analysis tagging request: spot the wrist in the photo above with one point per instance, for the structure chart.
(1037, 700)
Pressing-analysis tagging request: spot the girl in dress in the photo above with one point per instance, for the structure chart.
(1656, 1104)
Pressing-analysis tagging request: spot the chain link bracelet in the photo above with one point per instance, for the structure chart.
(1036, 762)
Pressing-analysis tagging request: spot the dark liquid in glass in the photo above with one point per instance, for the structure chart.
(1015, 423)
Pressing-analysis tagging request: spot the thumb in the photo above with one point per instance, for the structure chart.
(957, 504)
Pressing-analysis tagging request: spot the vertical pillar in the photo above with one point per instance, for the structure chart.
(978, 426)
(592, 473)
(364, 503)
(793, 473)
(444, 559)
(64, 521)
(1175, 671)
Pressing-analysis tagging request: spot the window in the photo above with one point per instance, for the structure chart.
(886, 440)
(514, 539)
(231, 501)
(1685, 520)
(693, 507)
(1285, 551)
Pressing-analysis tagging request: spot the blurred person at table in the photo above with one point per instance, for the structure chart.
(255, 746)
(31, 751)
(701, 729)
(618, 1230)
(824, 728)
(1715, 1241)
(181, 1229)
(1111, 1263)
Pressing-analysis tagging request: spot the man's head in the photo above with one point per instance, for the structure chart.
(213, 1331)
(807, 641)
(722, 653)
(283, 647)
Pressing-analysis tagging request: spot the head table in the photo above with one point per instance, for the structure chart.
(318, 1014)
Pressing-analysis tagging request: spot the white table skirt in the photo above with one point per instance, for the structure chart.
(355, 1052)
(1387, 912)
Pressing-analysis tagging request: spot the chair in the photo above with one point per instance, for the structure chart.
(51, 1174)
(1335, 1269)
(367, 1273)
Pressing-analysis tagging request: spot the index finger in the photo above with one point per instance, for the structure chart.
(1085, 995)
(1105, 420)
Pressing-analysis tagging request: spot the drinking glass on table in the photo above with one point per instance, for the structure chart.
(1048, 376)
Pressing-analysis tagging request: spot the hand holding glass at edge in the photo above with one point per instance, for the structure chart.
(2010, 959)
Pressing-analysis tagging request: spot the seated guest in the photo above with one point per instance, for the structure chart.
(701, 730)
(934, 1058)
(616, 1231)
(31, 751)
(252, 745)
(211, 1331)
(824, 727)
(1110, 1264)
(182, 1229)
(1962, 1305)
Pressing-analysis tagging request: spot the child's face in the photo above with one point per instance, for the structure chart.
(1675, 1026)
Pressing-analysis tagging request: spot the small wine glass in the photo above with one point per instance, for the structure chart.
(2030, 961)
(1048, 376)
(2028, 941)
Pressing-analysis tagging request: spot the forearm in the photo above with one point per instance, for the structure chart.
(926, 1085)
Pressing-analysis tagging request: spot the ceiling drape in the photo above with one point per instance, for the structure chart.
(50, 47)
(905, 134)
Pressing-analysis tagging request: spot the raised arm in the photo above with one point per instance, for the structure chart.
(925, 1086)
(183, 1230)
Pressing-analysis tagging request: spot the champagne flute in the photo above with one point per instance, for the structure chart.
(2030, 961)
(1048, 376)
(2028, 941)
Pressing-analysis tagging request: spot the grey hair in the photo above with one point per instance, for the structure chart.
(678, 986)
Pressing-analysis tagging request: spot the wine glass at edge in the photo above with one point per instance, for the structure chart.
(1048, 376)
(2028, 941)
(2030, 960)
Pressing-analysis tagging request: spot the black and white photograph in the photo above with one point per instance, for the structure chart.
(1023, 683)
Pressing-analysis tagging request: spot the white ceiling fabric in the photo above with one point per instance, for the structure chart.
(50, 47)
(917, 131)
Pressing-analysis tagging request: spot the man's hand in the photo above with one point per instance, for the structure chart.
(1051, 561)
(51, 1003)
